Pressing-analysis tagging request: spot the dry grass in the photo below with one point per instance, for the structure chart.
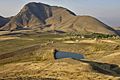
(2, 38)
(26, 61)
(66, 69)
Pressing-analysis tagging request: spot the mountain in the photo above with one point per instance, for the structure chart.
(33, 15)
(3, 21)
(83, 24)
(46, 18)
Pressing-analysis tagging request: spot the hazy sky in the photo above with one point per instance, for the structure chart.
(107, 11)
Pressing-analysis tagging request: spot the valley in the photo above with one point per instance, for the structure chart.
(26, 56)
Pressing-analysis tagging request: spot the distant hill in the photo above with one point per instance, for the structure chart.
(3, 21)
(51, 18)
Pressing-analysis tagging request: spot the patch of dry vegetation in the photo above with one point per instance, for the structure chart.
(65, 69)
(2, 38)
(33, 59)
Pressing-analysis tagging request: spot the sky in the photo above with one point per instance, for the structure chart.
(108, 11)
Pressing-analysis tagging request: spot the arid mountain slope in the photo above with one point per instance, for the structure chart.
(32, 15)
(82, 24)
(46, 17)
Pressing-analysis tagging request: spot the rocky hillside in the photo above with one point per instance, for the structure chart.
(50, 18)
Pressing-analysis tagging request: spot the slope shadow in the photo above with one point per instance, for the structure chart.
(104, 68)
(118, 31)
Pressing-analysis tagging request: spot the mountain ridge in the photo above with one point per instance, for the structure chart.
(45, 17)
